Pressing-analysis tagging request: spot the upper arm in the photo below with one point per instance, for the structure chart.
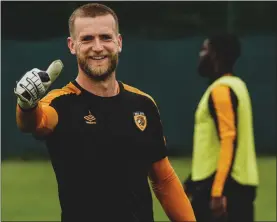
(160, 171)
(49, 115)
(158, 149)
(47, 122)
(52, 105)
(223, 108)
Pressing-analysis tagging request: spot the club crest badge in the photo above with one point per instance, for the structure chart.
(140, 120)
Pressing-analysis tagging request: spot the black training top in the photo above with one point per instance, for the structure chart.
(101, 150)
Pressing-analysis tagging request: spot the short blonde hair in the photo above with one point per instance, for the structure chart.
(91, 10)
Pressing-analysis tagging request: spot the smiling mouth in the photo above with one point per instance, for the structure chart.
(97, 57)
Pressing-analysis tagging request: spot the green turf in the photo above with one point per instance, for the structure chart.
(29, 191)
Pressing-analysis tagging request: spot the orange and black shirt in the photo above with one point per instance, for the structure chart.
(89, 137)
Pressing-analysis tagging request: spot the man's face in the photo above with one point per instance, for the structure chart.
(206, 64)
(96, 45)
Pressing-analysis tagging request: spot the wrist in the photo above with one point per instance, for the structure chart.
(216, 191)
(26, 106)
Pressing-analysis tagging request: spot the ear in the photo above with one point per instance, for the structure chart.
(119, 43)
(71, 45)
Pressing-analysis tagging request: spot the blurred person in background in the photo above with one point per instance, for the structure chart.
(222, 184)
(104, 137)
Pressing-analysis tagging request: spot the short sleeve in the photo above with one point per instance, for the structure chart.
(158, 150)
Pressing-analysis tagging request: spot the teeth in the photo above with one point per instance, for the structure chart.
(98, 57)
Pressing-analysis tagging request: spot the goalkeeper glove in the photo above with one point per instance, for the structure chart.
(34, 84)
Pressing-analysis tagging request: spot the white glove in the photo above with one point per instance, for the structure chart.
(34, 84)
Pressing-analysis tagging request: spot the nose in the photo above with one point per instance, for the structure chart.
(97, 45)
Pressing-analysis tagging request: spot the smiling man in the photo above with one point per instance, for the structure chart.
(104, 137)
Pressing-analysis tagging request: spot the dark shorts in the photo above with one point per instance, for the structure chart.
(240, 201)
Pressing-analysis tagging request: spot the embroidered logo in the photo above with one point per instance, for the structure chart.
(140, 120)
(90, 119)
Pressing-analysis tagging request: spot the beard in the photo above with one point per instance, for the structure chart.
(98, 73)
(205, 67)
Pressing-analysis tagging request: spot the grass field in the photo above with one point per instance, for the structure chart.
(29, 191)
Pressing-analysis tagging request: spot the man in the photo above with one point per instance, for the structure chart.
(104, 137)
(224, 175)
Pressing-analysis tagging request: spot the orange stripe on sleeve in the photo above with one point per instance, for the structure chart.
(227, 132)
(137, 91)
(169, 191)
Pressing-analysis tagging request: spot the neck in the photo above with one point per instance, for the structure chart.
(218, 75)
(106, 88)
(221, 70)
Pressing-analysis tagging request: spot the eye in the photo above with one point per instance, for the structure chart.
(106, 37)
(87, 38)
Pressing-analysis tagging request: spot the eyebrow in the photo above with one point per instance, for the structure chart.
(101, 33)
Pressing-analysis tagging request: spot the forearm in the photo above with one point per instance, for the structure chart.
(28, 120)
(169, 191)
(224, 166)
(40, 120)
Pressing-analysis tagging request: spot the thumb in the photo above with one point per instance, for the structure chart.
(53, 72)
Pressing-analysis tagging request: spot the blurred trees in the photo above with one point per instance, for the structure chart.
(152, 20)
